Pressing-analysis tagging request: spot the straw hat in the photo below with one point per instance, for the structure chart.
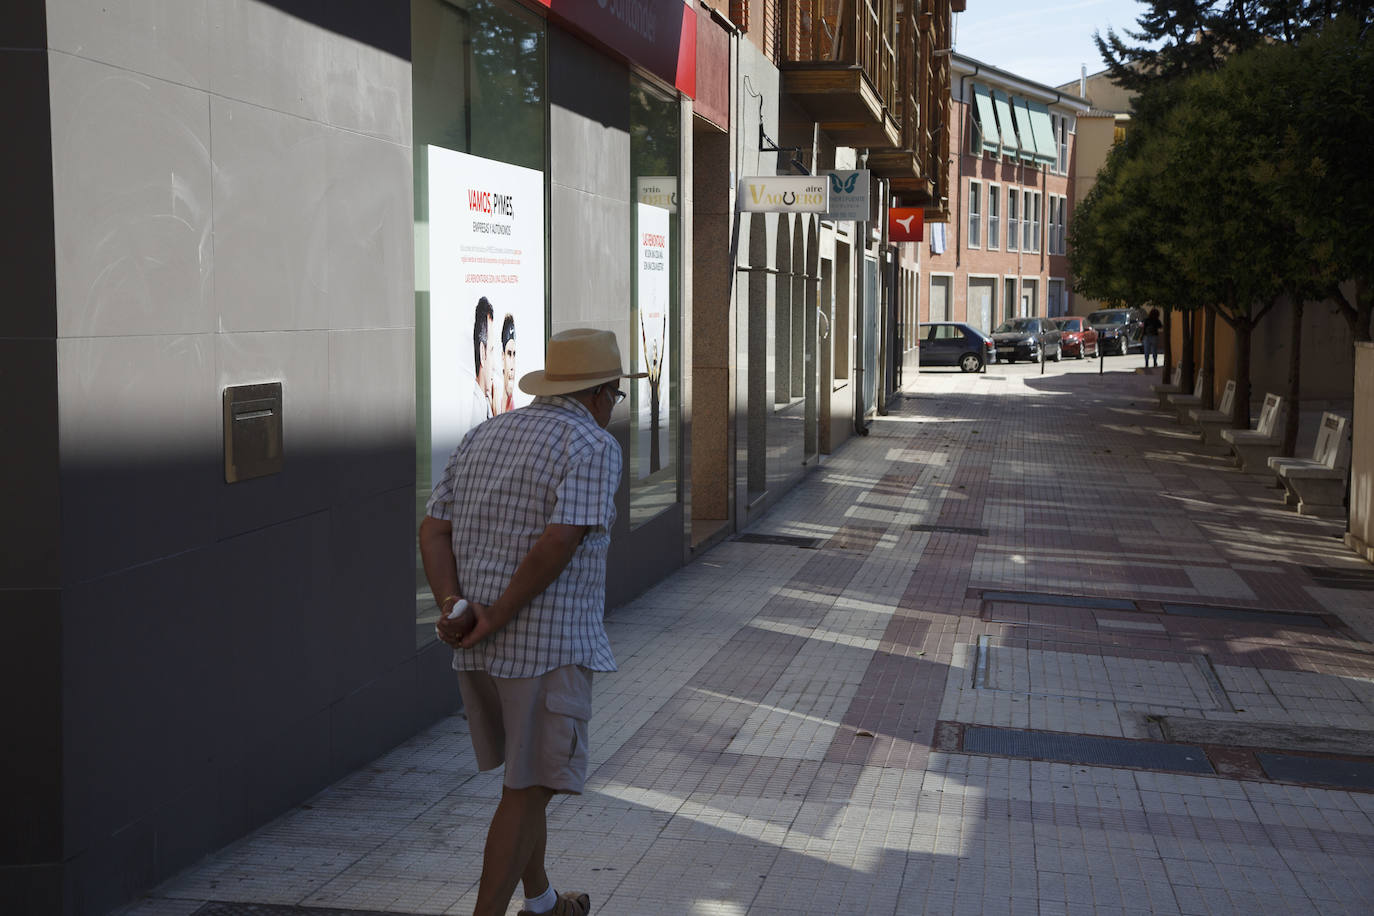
(577, 359)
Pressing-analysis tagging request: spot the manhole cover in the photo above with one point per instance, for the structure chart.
(1351, 774)
(951, 529)
(1111, 604)
(783, 540)
(1086, 749)
(1247, 615)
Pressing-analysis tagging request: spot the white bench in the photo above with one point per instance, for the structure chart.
(1174, 386)
(1254, 446)
(1185, 402)
(1211, 422)
(1316, 485)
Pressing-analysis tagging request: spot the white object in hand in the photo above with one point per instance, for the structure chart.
(458, 608)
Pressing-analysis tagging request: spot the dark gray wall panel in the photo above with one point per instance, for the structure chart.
(437, 694)
(140, 434)
(24, 24)
(372, 411)
(374, 718)
(148, 654)
(31, 754)
(31, 889)
(369, 593)
(29, 306)
(29, 486)
(286, 769)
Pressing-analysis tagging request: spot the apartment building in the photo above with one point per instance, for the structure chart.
(1012, 151)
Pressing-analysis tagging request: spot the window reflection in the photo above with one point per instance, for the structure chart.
(655, 153)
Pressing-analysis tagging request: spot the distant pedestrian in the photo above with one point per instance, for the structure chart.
(1149, 337)
(518, 527)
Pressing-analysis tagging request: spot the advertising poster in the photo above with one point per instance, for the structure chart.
(653, 407)
(486, 274)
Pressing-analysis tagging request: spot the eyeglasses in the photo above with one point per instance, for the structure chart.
(616, 395)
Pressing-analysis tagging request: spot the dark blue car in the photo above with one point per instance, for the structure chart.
(953, 343)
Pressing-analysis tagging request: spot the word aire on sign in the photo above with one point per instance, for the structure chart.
(784, 194)
(849, 194)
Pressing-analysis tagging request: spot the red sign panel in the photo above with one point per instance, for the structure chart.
(658, 35)
(906, 224)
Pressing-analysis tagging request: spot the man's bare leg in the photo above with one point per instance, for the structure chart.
(517, 833)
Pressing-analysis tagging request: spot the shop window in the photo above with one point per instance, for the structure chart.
(1009, 299)
(655, 157)
(1030, 290)
(478, 75)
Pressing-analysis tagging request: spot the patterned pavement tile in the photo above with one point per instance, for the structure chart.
(768, 745)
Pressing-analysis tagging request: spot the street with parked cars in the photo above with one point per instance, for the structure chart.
(1032, 342)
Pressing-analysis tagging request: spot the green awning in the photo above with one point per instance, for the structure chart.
(986, 117)
(1046, 150)
(1023, 130)
(1002, 105)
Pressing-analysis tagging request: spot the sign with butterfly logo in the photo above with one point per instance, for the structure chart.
(849, 195)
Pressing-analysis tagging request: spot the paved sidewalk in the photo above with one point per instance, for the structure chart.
(1013, 667)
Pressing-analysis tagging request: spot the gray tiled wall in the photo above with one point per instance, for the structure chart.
(214, 192)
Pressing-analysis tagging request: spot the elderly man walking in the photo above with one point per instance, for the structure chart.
(517, 530)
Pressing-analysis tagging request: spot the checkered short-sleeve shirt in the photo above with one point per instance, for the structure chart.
(510, 477)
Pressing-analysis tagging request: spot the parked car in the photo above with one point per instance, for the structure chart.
(1035, 339)
(1079, 338)
(1118, 330)
(953, 343)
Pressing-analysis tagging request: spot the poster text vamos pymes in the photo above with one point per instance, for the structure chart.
(486, 247)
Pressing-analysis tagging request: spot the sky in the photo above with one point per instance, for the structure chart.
(1045, 43)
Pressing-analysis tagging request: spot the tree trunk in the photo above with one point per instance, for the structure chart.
(1240, 410)
(1167, 332)
(1290, 425)
(1188, 360)
(1209, 358)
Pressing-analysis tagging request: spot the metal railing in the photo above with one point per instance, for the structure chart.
(845, 33)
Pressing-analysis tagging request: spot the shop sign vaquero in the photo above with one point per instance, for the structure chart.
(784, 194)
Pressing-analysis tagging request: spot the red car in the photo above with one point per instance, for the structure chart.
(1079, 338)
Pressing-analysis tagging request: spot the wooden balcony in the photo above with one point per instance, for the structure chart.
(905, 165)
(839, 63)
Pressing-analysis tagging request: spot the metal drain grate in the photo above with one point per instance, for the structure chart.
(1351, 774)
(951, 529)
(1106, 604)
(1087, 749)
(1295, 618)
(782, 540)
(275, 909)
(1337, 577)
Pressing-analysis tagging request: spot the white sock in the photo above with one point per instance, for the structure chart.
(543, 903)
